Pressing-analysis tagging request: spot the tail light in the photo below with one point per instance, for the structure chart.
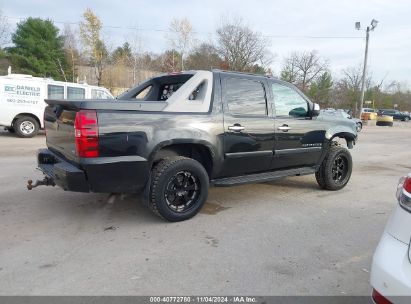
(86, 133)
(379, 298)
(404, 192)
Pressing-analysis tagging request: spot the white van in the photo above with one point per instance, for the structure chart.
(22, 100)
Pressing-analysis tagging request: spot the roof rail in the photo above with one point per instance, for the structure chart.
(243, 73)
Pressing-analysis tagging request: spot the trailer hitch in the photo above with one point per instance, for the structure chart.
(47, 181)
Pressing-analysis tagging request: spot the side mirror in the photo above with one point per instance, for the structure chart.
(316, 110)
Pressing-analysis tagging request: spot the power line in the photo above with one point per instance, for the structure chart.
(202, 33)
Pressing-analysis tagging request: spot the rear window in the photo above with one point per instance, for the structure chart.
(55, 92)
(76, 93)
(167, 90)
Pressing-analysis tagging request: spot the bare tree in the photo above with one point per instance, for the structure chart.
(72, 53)
(4, 30)
(352, 77)
(348, 89)
(94, 46)
(139, 56)
(302, 68)
(182, 38)
(241, 47)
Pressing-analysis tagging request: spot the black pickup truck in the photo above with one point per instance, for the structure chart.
(174, 135)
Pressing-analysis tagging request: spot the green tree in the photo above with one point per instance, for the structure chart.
(122, 54)
(321, 88)
(38, 49)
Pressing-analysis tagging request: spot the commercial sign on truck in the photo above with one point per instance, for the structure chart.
(22, 100)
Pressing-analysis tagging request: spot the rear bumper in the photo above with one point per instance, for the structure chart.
(103, 174)
(391, 270)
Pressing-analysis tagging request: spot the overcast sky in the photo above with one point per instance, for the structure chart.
(290, 22)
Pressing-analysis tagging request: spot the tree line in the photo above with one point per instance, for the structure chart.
(39, 48)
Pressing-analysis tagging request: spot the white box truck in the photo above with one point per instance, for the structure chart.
(22, 100)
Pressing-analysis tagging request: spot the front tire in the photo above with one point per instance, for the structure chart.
(406, 119)
(179, 188)
(335, 170)
(359, 127)
(26, 127)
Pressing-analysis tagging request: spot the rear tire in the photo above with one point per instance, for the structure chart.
(26, 127)
(335, 170)
(406, 119)
(359, 127)
(179, 188)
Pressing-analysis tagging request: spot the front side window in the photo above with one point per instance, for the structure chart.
(55, 92)
(245, 97)
(288, 102)
(76, 93)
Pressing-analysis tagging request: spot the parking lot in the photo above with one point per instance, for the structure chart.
(286, 237)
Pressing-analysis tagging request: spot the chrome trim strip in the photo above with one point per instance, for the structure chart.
(296, 151)
(249, 154)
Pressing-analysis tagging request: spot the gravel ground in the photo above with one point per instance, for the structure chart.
(286, 237)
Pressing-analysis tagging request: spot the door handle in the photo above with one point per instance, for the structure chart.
(284, 128)
(236, 128)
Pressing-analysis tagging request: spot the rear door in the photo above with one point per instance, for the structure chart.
(248, 125)
(298, 138)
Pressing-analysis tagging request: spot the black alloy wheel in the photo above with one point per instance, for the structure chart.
(339, 168)
(182, 191)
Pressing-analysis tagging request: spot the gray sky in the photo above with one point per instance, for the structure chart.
(289, 22)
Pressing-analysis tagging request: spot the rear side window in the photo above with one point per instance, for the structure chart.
(55, 92)
(245, 97)
(76, 93)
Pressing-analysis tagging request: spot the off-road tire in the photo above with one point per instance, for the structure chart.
(324, 175)
(19, 124)
(162, 175)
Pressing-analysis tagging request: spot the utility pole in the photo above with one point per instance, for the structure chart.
(364, 71)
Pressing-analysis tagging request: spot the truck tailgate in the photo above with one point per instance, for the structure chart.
(59, 125)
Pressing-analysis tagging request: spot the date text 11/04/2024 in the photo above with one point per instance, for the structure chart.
(203, 299)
